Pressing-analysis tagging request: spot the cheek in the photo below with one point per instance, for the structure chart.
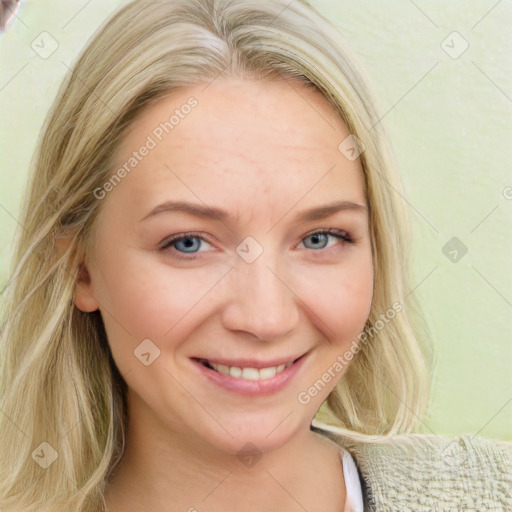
(349, 308)
(341, 298)
(142, 299)
(140, 302)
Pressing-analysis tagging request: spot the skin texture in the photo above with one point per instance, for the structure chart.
(263, 151)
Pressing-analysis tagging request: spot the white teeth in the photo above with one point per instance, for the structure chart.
(221, 368)
(268, 373)
(234, 371)
(250, 373)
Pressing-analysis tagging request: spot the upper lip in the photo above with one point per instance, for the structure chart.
(250, 363)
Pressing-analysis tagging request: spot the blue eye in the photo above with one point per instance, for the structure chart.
(187, 245)
(321, 238)
(189, 242)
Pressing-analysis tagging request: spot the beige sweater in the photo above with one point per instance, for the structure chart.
(428, 473)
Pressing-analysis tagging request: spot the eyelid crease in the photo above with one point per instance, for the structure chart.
(180, 236)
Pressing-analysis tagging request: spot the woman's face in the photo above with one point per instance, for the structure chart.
(201, 328)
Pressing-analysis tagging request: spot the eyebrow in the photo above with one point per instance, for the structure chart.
(211, 212)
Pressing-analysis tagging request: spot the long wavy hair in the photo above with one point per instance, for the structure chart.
(58, 382)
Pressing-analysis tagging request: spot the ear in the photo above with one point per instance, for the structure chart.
(84, 296)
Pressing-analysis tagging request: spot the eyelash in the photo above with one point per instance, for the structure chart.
(166, 244)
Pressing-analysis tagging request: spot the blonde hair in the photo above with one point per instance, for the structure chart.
(59, 383)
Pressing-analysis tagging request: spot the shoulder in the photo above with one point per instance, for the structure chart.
(417, 471)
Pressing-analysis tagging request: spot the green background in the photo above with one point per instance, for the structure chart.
(450, 123)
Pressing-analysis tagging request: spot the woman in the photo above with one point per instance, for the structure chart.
(213, 246)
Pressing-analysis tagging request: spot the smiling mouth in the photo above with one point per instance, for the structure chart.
(247, 373)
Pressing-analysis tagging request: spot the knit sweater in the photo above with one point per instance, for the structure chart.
(426, 473)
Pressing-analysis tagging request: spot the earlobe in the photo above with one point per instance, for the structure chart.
(84, 298)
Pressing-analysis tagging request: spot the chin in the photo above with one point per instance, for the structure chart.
(254, 431)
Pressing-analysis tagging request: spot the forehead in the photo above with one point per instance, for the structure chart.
(242, 139)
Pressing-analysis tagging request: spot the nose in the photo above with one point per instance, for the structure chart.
(261, 300)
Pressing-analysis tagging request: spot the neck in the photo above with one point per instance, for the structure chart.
(165, 470)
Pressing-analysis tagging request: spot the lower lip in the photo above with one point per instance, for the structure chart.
(252, 387)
